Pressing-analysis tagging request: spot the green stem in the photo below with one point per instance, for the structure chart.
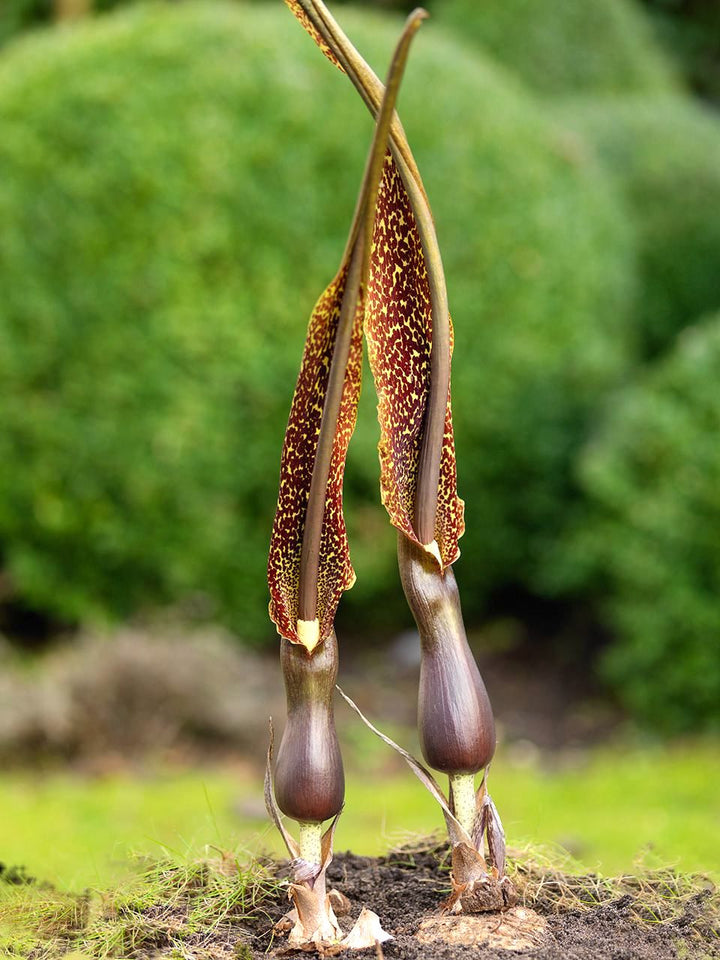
(462, 792)
(311, 842)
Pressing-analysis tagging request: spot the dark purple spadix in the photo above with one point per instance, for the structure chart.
(455, 719)
(309, 778)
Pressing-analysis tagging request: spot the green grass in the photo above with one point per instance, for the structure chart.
(180, 903)
(609, 807)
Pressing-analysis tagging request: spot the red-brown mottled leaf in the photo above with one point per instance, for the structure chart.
(298, 11)
(398, 327)
(298, 457)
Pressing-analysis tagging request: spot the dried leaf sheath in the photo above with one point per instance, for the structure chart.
(335, 572)
(398, 327)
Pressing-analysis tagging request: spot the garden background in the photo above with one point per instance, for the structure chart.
(176, 181)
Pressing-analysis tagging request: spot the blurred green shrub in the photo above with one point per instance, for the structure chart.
(19, 15)
(176, 184)
(652, 478)
(566, 46)
(690, 31)
(665, 155)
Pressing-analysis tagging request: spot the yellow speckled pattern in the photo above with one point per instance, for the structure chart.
(309, 27)
(398, 320)
(398, 328)
(298, 457)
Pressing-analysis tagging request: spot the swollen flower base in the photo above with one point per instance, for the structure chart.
(457, 730)
(309, 778)
(478, 876)
(312, 922)
(309, 785)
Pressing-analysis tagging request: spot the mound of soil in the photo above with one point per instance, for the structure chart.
(578, 918)
(223, 910)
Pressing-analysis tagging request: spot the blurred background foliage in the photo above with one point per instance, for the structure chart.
(562, 47)
(665, 155)
(648, 539)
(176, 182)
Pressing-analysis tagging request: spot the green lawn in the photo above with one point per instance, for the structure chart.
(609, 807)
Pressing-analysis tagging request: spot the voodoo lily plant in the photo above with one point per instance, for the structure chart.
(390, 286)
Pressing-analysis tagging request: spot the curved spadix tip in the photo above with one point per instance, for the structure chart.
(308, 632)
(418, 15)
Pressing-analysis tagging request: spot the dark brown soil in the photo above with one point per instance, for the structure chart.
(659, 917)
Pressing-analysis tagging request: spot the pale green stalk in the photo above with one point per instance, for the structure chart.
(311, 842)
(462, 792)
